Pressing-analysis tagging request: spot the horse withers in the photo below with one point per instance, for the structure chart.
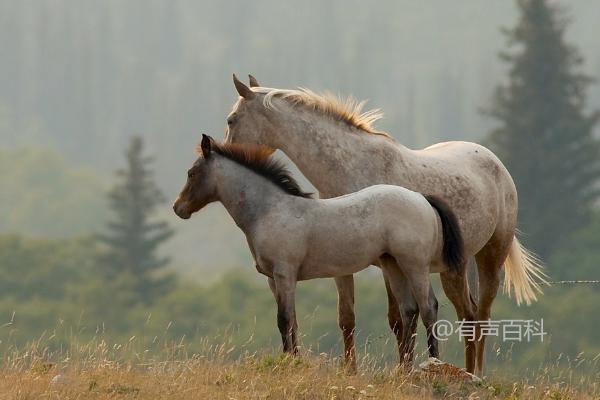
(294, 237)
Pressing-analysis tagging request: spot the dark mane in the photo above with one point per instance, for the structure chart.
(258, 159)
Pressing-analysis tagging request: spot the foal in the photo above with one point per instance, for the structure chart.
(294, 237)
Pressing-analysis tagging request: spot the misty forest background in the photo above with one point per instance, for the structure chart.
(102, 103)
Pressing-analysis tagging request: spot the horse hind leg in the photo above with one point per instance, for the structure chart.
(489, 261)
(457, 290)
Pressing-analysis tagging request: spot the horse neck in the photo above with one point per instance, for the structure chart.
(332, 157)
(246, 195)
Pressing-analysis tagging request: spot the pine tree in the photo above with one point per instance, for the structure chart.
(133, 237)
(545, 136)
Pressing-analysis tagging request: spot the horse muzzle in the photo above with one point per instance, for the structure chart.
(181, 210)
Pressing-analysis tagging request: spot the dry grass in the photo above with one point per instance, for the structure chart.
(96, 370)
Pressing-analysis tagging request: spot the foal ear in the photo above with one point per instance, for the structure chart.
(242, 89)
(253, 81)
(206, 145)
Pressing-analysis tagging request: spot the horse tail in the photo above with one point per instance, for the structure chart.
(524, 272)
(453, 251)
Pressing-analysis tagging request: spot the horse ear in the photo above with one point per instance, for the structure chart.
(242, 89)
(253, 81)
(206, 145)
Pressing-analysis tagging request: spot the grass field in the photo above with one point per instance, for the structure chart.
(97, 370)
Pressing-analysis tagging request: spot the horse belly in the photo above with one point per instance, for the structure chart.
(315, 271)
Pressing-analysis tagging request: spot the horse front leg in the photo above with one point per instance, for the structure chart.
(394, 313)
(285, 295)
(394, 316)
(346, 318)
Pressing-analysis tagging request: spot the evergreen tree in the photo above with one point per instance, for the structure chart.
(133, 237)
(545, 136)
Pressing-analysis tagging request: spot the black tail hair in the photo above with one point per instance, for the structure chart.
(453, 252)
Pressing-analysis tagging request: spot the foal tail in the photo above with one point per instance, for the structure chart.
(453, 252)
(523, 271)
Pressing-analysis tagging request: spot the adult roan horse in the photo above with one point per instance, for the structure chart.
(336, 147)
(294, 237)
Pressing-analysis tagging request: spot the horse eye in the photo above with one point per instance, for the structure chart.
(191, 174)
(230, 120)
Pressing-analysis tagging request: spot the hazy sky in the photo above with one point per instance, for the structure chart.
(83, 76)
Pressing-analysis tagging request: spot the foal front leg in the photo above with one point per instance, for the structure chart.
(285, 293)
(271, 282)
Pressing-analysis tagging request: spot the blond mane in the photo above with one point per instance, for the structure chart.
(348, 110)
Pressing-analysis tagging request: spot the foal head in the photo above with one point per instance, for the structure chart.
(200, 187)
(208, 173)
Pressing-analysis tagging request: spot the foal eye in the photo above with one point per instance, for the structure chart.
(191, 174)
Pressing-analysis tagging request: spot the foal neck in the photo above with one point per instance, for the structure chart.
(246, 195)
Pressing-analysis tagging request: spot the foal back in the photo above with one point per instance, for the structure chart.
(346, 234)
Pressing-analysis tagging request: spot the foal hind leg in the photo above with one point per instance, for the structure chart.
(408, 311)
(417, 276)
(403, 307)
(413, 289)
(457, 290)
